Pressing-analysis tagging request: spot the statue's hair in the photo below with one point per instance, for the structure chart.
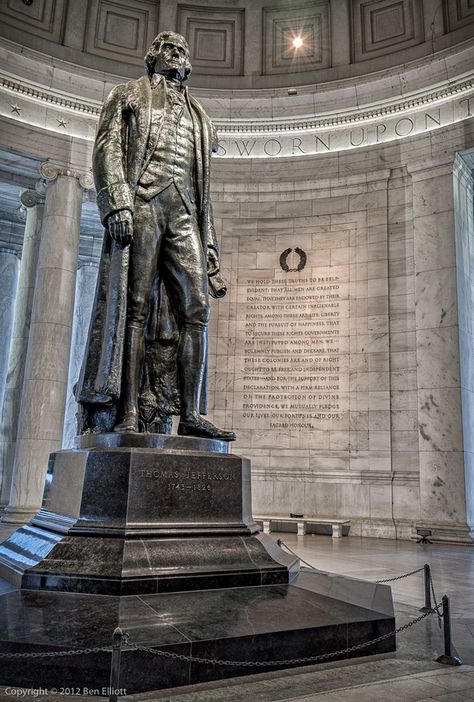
(150, 57)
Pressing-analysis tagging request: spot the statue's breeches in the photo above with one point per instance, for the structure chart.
(167, 243)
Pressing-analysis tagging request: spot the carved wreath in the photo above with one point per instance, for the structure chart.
(284, 260)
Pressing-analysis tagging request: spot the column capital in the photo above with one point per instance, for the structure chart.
(50, 171)
(31, 198)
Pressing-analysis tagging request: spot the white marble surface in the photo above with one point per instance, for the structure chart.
(19, 341)
(386, 467)
(43, 399)
(464, 228)
(9, 268)
(443, 498)
(84, 298)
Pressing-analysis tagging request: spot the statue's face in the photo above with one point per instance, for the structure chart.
(172, 60)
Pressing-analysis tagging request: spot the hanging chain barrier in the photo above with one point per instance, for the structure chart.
(400, 577)
(425, 567)
(281, 543)
(442, 610)
(287, 662)
(54, 654)
(121, 643)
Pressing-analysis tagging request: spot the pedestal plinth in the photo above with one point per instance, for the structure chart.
(139, 514)
(166, 520)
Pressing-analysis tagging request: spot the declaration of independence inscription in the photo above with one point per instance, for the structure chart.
(295, 355)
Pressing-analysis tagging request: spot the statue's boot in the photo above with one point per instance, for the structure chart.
(198, 426)
(132, 366)
(128, 423)
(191, 359)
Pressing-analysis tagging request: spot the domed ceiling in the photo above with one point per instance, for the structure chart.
(280, 78)
(238, 44)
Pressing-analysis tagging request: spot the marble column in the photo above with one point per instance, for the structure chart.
(402, 365)
(33, 201)
(440, 430)
(9, 266)
(85, 289)
(41, 419)
(464, 227)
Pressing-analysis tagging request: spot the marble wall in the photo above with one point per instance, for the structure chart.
(302, 357)
(335, 356)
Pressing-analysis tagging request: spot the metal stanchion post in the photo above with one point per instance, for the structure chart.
(117, 639)
(427, 579)
(447, 658)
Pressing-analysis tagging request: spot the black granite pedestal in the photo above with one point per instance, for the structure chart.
(317, 613)
(155, 534)
(144, 513)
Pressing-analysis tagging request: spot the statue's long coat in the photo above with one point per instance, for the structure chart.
(123, 148)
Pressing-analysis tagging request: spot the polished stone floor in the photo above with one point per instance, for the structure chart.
(411, 675)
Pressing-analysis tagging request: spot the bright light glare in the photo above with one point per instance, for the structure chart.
(297, 42)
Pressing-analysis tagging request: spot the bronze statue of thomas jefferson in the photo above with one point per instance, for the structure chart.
(146, 355)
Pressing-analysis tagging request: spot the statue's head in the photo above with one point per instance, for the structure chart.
(169, 55)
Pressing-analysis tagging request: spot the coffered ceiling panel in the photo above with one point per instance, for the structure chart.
(460, 13)
(43, 18)
(215, 37)
(115, 29)
(307, 21)
(242, 44)
(381, 26)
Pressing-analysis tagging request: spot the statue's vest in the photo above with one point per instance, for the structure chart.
(173, 158)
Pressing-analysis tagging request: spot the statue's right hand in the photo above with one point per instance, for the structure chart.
(120, 226)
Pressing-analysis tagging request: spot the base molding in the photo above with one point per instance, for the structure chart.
(406, 530)
(382, 528)
(446, 533)
(17, 515)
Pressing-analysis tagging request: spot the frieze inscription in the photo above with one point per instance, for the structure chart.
(339, 137)
(316, 135)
